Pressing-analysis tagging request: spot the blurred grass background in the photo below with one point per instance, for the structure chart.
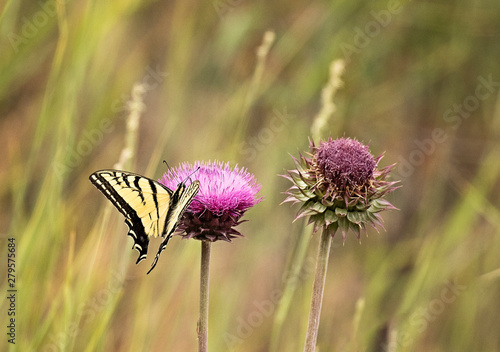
(414, 71)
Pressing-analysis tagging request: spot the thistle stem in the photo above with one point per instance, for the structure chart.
(204, 278)
(318, 288)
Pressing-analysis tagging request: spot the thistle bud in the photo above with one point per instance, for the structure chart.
(340, 186)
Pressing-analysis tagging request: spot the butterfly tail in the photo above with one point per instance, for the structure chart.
(162, 247)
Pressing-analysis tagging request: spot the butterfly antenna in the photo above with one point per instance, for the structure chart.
(170, 170)
(189, 176)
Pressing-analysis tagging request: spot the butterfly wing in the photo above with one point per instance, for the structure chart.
(144, 203)
(179, 202)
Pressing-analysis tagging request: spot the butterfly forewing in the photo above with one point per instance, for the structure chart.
(181, 199)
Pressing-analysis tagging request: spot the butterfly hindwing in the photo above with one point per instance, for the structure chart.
(146, 204)
(179, 202)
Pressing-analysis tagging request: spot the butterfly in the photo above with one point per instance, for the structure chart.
(150, 208)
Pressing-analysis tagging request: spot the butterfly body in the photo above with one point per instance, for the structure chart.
(150, 208)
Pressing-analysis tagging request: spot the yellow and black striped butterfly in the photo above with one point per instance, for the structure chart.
(150, 208)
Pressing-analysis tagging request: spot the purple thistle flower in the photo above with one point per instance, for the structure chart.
(344, 163)
(340, 186)
(225, 195)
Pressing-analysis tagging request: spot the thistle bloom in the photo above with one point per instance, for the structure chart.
(225, 194)
(340, 186)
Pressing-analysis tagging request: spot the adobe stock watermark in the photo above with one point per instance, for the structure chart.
(249, 149)
(32, 25)
(223, 7)
(89, 140)
(424, 316)
(246, 325)
(454, 115)
(363, 36)
(152, 78)
(87, 312)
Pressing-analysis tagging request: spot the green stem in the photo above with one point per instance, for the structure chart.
(317, 297)
(204, 278)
